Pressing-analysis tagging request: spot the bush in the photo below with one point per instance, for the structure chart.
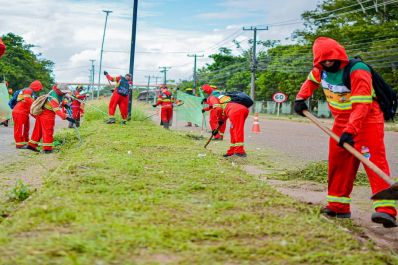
(19, 192)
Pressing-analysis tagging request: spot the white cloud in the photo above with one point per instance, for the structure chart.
(70, 33)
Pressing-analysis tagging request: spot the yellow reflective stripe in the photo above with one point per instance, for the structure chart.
(330, 198)
(312, 78)
(216, 105)
(47, 144)
(33, 142)
(239, 144)
(48, 106)
(384, 203)
(221, 133)
(23, 96)
(341, 106)
(361, 99)
(21, 143)
(166, 100)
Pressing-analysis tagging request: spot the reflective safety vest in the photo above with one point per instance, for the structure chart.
(337, 94)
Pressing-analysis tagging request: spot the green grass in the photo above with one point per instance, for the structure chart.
(317, 172)
(138, 194)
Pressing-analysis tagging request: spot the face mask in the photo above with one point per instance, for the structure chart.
(334, 68)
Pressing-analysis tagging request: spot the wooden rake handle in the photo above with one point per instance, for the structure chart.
(349, 148)
(211, 137)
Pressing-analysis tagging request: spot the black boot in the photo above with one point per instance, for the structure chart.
(48, 151)
(32, 148)
(166, 125)
(328, 212)
(388, 221)
(110, 121)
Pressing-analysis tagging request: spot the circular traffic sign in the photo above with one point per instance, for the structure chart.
(279, 97)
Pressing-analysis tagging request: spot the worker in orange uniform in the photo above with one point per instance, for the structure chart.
(120, 97)
(2, 47)
(213, 102)
(76, 105)
(45, 122)
(165, 100)
(20, 114)
(358, 120)
(237, 115)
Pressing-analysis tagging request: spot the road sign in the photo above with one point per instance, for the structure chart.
(279, 97)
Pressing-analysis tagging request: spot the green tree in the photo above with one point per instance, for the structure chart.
(21, 66)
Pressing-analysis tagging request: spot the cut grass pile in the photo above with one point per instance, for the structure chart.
(138, 194)
(317, 172)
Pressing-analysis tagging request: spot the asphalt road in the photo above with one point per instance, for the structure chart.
(298, 140)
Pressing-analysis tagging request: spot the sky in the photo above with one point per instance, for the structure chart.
(69, 32)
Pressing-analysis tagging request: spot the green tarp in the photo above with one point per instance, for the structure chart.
(5, 111)
(190, 110)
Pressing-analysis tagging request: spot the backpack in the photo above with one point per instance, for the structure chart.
(38, 104)
(124, 87)
(240, 97)
(385, 96)
(14, 99)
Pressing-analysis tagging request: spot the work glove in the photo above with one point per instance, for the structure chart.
(72, 120)
(154, 105)
(203, 111)
(346, 138)
(203, 101)
(214, 132)
(300, 106)
(105, 72)
(220, 123)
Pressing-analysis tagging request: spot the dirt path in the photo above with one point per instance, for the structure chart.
(300, 143)
(23, 164)
(361, 209)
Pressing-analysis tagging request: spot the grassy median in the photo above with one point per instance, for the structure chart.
(139, 194)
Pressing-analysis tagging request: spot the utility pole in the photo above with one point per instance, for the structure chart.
(92, 78)
(132, 53)
(147, 88)
(156, 78)
(195, 79)
(102, 50)
(254, 64)
(164, 71)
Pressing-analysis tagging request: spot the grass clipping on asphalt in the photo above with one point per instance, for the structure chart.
(318, 172)
(139, 194)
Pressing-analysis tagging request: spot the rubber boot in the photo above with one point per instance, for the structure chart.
(166, 125)
(388, 221)
(330, 213)
(32, 148)
(110, 121)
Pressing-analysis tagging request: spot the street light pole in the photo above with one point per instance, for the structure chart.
(132, 53)
(92, 78)
(102, 50)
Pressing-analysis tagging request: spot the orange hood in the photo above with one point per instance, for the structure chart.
(328, 49)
